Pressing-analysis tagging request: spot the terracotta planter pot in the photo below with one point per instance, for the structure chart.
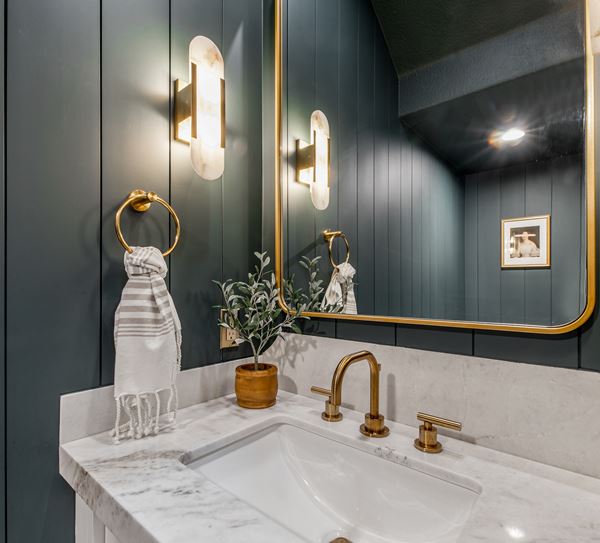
(256, 389)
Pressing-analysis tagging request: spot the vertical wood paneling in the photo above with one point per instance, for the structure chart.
(531, 295)
(406, 226)
(326, 99)
(198, 259)
(135, 140)
(365, 239)
(471, 243)
(301, 85)
(436, 235)
(53, 255)
(488, 247)
(268, 126)
(417, 231)
(455, 291)
(348, 112)
(552, 187)
(381, 133)
(395, 201)
(242, 180)
(425, 243)
(512, 282)
(566, 238)
(538, 283)
(107, 94)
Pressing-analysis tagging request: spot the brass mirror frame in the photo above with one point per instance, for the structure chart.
(503, 327)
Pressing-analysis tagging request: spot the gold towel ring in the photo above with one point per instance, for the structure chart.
(140, 201)
(329, 236)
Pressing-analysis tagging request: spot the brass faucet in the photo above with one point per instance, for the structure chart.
(427, 440)
(374, 422)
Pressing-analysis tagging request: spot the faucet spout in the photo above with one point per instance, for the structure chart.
(340, 372)
(374, 425)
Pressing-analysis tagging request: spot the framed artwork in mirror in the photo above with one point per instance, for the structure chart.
(526, 242)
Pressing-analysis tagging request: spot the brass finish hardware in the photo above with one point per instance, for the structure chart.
(330, 236)
(374, 425)
(590, 203)
(186, 96)
(183, 109)
(427, 440)
(141, 201)
(332, 412)
(306, 156)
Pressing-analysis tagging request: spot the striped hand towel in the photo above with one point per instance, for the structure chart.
(340, 292)
(148, 345)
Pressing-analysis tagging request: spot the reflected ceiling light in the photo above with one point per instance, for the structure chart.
(512, 134)
(313, 160)
(200, 108)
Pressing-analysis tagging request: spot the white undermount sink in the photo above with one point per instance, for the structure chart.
(321, 489)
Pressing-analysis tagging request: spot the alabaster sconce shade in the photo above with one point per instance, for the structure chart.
(200, 108)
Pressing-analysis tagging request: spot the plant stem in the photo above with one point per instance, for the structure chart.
(255, 353)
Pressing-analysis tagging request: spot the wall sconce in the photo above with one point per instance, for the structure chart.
(313, 160)
(200, 108)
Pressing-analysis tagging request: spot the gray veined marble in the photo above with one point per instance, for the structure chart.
(144, 492)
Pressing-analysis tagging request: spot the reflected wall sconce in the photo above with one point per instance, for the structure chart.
(313, 160)
(200, 108)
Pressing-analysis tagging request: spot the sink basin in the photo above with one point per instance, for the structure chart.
(321, 489)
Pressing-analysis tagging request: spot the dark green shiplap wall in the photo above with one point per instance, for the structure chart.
(88, 106)
(575, 350)
(399, 205)
(532, 296)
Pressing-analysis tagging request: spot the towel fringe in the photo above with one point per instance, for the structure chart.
(143, 415)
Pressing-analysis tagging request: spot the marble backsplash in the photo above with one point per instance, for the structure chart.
(537, 412)
(546, 414)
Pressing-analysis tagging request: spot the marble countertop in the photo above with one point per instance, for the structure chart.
(143, 491)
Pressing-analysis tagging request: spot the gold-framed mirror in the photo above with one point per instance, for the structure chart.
(457, 172)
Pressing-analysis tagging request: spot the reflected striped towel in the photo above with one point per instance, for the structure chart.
(148, 345)
(340, 292)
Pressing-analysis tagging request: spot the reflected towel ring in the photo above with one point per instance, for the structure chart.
(329, 236)
(140, 201)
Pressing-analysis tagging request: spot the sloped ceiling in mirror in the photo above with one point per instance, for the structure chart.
(547, 105)
(419, 32)
(467, 69)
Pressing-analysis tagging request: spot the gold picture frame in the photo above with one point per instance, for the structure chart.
(516, 231)
(590, 208)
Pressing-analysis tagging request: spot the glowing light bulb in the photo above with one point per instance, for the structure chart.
(512, 134)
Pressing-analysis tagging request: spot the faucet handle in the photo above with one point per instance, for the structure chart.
(427, 440)
(321, 390)
(331, 412)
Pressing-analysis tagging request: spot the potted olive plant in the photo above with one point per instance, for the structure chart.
(252, 309)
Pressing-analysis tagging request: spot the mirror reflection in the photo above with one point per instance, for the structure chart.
(433, 158)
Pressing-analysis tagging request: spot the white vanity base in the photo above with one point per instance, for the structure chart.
(88, 527)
